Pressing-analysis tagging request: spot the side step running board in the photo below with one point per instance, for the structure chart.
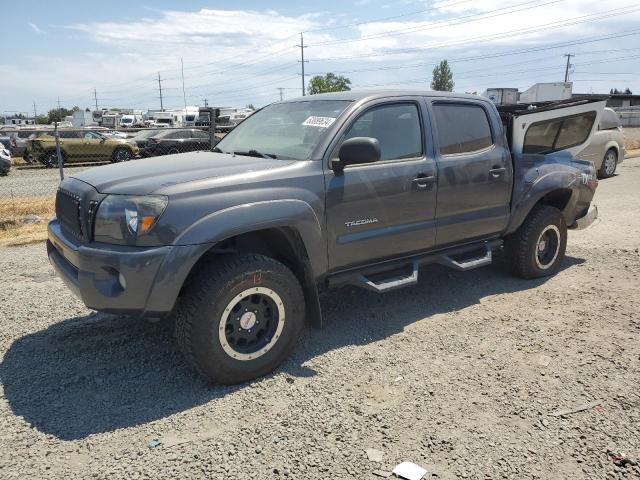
(391, 283)
(403, 273)
(468, 264)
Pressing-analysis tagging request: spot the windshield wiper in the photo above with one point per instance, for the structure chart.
(255, 153)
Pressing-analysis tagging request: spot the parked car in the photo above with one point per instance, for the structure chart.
(5, 140)
(140, 138)
(5, 161)
(606, 149)
(172, 141)
(81, 146)
(20, 140)
(345, 188)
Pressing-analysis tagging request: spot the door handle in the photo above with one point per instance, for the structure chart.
(423, 182)
(497, 172)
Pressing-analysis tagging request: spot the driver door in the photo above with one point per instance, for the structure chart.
(387, 208)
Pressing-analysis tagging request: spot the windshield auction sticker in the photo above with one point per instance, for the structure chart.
(322, 122)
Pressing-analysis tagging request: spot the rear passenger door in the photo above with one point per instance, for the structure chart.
(475, 173)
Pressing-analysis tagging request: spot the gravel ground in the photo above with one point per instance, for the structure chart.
(32, 182)
(459, 374)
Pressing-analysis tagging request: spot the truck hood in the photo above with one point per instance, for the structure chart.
(141, 177)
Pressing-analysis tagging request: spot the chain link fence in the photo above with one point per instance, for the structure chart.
(34, 160)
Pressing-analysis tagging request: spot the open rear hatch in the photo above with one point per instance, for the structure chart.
(548, 127)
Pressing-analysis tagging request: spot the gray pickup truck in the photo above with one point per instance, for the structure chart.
(318, 192)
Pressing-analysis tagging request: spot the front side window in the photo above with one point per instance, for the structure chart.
(556, 134)
(396, 127)
(289, 130)
(462, 128)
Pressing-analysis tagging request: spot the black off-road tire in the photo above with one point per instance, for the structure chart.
(606, 170)
(213, 289)
(522, 247)
(50, 158)
(121, 154)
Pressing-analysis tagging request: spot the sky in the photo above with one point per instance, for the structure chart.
(236, 53)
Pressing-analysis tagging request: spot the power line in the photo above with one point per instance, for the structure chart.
(446, 23)
(498, 36)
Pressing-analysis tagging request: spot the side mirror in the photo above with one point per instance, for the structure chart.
(355, 151)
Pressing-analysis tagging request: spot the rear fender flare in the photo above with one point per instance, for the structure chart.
(545, 184)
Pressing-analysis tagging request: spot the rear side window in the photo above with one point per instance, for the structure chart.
(397, 128)
(609, 120)
(558, 134)
(462, 128)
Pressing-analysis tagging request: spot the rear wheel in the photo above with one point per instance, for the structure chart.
(121, 154)
(537, 248)
(50, 158)
(609, 164)
(239, 318)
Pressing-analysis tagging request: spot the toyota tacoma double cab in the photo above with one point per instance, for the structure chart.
(336, 189)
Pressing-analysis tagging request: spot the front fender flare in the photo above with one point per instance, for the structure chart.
(251, 217)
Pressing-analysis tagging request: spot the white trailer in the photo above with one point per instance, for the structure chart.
(547, 92)
(82, 118)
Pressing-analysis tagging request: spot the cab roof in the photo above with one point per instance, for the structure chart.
(359, 95)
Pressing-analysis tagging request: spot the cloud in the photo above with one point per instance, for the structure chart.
(35, 28)
(241, 56)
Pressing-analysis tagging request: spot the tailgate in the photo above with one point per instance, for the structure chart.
(554, 126)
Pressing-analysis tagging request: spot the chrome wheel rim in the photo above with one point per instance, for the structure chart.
(547, 247)
(251, 323)
(610, 163)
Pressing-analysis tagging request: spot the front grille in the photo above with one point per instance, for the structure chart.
(69, 212)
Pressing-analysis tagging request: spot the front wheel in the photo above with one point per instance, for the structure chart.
(609, 164)
(537, 248)
(121, 154)
(239, 318)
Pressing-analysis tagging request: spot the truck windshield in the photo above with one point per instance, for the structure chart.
(289, 131)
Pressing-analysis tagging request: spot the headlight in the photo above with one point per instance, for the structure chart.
(122, 219)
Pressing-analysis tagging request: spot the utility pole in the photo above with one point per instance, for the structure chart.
(160, 88)
(281, 92)
(59, 111)
(95, 97)
(566, 70)
(35, 111)
(206, 103)
(184, 95)
(302, 60)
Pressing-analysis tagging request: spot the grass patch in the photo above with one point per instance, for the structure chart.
(13, 231)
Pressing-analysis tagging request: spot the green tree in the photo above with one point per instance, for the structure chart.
(328, 83)
(250, 106)
(57, 115)
(42, 120)
(442, 78)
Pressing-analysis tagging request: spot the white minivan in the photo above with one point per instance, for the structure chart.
(606, 148)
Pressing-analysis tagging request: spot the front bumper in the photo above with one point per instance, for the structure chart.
(142, 281)
(586, 220)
